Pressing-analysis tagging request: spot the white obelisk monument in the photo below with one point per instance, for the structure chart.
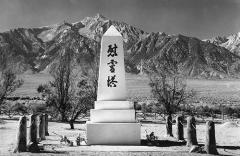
(113, 120)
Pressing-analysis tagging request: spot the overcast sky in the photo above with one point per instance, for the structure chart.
(199, 18)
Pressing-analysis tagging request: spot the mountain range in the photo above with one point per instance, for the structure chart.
(35, 49)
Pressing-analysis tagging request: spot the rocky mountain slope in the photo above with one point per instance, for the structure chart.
(231, 42)
(191, 56)
(35, 49)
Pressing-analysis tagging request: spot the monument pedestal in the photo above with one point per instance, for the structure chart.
(108, 116)
(109, 126)
(111, 105)
(113, 133)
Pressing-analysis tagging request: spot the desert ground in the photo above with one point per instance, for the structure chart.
(227, 138)
(227, 135)
(137, 86)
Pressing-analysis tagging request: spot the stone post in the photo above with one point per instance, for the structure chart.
(38, 127)
(191, 131)
(210, 142)
(46, 125)
(42, 127)
(21, 145)
(179, 126)
(32, 134)
(169, 125)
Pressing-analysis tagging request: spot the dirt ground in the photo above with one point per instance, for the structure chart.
(227, 137)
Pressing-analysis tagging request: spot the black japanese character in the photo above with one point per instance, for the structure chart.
(112, 65)
(111, 82)
(112, 51)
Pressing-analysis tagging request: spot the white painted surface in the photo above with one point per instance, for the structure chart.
(112, 31)
(113, 133)
(114, 105)
(104, 116)
(113, 120)
(105, 93)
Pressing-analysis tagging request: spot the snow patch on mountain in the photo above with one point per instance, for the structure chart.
(231, 42)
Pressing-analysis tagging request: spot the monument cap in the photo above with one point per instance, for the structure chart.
(112, 31)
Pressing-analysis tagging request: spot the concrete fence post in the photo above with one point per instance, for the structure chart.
(169, 125)
(46, 125)
(179, 126)
(38, 127)
(210, 142)
(21, 144)
(32, 134)
(42, 127)
(191, 131)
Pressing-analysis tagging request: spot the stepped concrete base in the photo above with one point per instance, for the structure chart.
(110, 116)
(113, 133)
(114, 105)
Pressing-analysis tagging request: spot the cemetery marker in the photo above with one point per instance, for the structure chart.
(112, 122)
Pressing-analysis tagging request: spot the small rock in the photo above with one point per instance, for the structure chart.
(195, 149)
